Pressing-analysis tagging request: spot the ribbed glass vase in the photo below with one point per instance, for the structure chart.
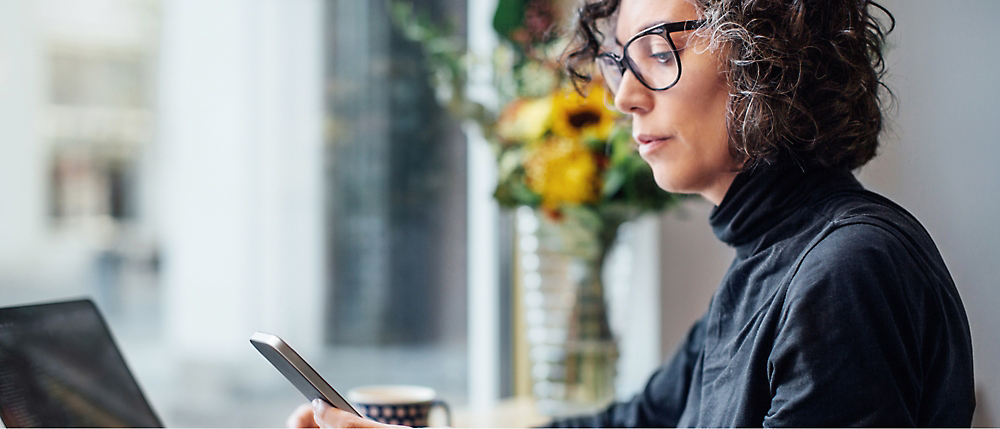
(573, 353)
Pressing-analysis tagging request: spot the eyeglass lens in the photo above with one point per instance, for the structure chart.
(651, 57)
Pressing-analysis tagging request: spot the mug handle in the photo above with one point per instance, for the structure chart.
(447, 410)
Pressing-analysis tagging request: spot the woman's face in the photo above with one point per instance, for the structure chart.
(681, 131)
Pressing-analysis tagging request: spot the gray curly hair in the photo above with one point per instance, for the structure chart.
(805, 76)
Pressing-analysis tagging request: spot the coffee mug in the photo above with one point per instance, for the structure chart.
(397, 404)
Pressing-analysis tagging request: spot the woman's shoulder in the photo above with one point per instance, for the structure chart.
(859, 218)
(869, 241)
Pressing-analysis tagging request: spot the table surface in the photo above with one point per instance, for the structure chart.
(508, 413)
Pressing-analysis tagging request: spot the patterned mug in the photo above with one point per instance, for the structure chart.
(398, 404)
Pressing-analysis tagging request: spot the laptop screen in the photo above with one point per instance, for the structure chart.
(59, 367)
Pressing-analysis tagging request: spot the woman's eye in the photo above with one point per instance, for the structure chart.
(662, 57)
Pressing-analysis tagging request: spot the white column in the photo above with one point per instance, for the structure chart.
(291, 170)
(240, 147)
(484, 287)
(22, 164)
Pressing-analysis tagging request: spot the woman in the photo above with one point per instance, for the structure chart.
(838, 309)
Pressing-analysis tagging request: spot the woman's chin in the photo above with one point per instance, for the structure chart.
(666, 182)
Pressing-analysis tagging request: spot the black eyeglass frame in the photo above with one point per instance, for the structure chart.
(625, 63)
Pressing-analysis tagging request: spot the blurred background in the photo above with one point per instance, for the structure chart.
(206, 169)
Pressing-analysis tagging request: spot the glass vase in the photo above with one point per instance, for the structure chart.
(572, 350)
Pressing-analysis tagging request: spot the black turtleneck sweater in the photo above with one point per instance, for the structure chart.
(837, 311)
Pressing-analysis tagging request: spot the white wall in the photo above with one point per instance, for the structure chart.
(939, 160)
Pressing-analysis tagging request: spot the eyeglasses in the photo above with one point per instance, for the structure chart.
(650, 55)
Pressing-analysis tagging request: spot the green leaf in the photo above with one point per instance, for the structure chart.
(613, 182)
(524, 195)
(513, 192)
(509, 16)
(596, 144)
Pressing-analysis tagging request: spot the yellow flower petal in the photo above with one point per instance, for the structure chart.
(563, 171)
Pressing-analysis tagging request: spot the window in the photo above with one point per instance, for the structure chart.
(395, 205)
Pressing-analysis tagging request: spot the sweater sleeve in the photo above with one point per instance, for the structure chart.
(847, 349)
(662, 401)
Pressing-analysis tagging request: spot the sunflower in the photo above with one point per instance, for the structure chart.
(575, 116)
(562, 171)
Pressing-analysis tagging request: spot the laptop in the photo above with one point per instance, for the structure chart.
(59, 367)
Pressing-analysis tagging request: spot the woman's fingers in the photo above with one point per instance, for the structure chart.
(329, 417)
(302, 417)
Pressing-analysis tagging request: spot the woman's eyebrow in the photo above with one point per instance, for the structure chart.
(644, 28)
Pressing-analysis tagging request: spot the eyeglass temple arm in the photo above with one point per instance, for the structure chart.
(683, 25)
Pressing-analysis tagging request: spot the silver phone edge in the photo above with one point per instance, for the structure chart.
(302, 367)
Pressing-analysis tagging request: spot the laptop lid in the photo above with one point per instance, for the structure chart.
(59, 367)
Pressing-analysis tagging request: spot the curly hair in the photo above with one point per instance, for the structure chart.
(805, 76)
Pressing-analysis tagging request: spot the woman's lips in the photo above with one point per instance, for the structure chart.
(649, 143)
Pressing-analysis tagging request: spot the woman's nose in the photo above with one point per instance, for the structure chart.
(632, 96)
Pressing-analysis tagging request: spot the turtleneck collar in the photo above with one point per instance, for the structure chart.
(763, 196)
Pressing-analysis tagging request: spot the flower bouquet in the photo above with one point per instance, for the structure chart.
(564, 154)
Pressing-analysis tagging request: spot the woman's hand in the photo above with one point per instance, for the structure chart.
(319, 414)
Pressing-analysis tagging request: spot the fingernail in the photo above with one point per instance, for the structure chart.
(317, 403)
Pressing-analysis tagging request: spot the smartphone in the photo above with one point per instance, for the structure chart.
(298, 372)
